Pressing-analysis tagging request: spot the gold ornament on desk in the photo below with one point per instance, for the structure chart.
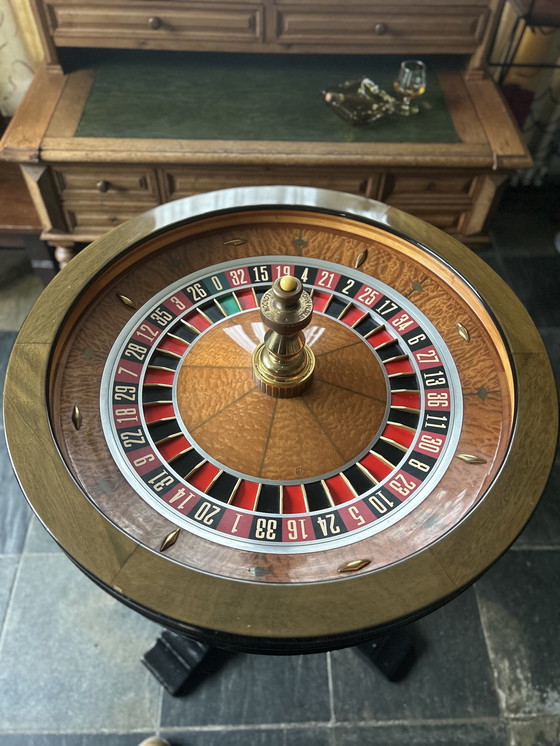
(361, 101)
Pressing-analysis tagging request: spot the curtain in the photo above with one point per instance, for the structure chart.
(20, 51)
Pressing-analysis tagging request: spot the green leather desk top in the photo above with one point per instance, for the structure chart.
(207, 96)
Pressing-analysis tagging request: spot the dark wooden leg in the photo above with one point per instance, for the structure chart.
(393, 654)
(173, 659)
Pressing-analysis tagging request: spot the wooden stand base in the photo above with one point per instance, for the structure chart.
(393, 654)
(174, 658)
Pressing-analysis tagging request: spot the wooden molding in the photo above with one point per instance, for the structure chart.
(23, 137)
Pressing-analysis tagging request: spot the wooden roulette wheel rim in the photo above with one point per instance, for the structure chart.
(458, 456)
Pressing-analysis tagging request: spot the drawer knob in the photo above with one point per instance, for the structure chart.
(102, 186)
(380, 29)
(154, 23)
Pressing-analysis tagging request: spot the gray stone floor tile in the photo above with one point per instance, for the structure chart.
(72, 739)
(8, 567)
(451, 678)
(460, 734)
(523, 231)
(70, 659)
(493, 260)
(38, 540)
(7, 340)
(551, 339)
(526, 221)
(520, 611)
(253, 689)
(310, 736)
(543, 529)
(536, 731)
(17, 298)
(13, 263)
(534, 279)
(15, 513)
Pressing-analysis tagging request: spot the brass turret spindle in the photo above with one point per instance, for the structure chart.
(283, 364)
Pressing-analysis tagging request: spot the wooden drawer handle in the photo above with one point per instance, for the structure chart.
(380, 29)
(154, 23)
(102, 186)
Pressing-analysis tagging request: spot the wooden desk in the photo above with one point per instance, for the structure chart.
(84, 184)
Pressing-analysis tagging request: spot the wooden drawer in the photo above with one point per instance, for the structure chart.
(383, 28)
(450, 215)
(107, 184)
(183, 181)
(406, 187)
(90, 221)
(446, 199)
(162, 25)
(447, 218)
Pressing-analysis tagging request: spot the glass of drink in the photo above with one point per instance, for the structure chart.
(410, 83)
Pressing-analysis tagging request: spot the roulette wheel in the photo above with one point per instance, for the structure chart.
(280, 419)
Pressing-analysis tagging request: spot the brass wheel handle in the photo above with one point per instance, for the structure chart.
(283, 364)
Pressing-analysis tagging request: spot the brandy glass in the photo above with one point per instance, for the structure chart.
(410, 83)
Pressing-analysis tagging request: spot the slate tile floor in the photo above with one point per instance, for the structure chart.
(489, 672)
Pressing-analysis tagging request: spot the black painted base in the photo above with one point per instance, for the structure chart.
(393, 654)
(175, 658)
